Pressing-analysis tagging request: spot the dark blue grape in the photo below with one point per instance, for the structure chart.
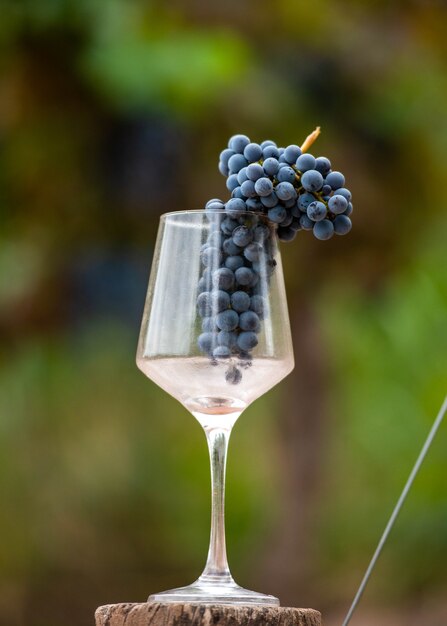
(255, 171)
(229, 247)
(209, 325)
(258, 304)
(235, 207)
(286, 233)
(202, 285)
(204, 304)
(225, 155)
(254, 204)
(291, 153)
(337, 204)
(262, 233)
(212, 206)
(215, 218)
(305, 162)
(270, 166)
(242, 176)
(306, 223)
(287, 220)
(237, 193)
(252, 152)
(223, 278)
(277, 214)
(232, 182)
(344, 192)
(249, 321)
(289, 203)
(220, 300)
(316, 211)
(212, 201)
(296, 224)
(335, 180)
(286, 175)
(312, 180)
(270, 201)
(349, 209)
(223, 169)
(240, 301)
(228, 225)
(264, 186)
(211, 256)
(227, 320)
(267, 142)
(234, 262)
(233, 375)
(246, 277)
(323, 165)
(221, 352)
(342, 225)
(326, 190)
(237, 143)
(304, 200)
(248, 189)
(270, 151)
(253, 251)
(295, 210)
(285, 191)
(242, 236)
(207, 274)
(323, 230)
(247, 341)
(236, 163)
(206, 341)
(227, 338)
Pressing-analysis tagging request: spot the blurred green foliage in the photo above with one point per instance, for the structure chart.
(396, 344)
(112, 112)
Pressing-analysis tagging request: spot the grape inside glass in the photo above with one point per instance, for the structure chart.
(215, 338)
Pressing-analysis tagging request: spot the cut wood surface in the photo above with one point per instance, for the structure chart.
(156, 614)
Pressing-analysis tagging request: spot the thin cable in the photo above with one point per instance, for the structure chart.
(431, 435)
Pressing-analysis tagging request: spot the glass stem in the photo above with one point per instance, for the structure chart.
(216, 569)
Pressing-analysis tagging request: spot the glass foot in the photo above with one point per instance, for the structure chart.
(213, 592)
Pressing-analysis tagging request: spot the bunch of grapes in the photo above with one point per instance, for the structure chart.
(296, 190)
(237, 262)
(274, 191)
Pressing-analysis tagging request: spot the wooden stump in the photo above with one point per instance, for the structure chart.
(157, 614)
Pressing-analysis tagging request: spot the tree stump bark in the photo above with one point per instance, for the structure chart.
(157, 614)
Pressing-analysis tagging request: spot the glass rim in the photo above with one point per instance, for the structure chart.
(163, 216)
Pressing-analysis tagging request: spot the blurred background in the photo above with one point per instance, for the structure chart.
(114, 112)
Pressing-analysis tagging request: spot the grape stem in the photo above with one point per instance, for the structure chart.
(310, 139)
(319, 195)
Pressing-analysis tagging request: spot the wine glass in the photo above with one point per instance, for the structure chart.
(216, 339)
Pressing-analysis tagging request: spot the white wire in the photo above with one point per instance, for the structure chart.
(431, 435)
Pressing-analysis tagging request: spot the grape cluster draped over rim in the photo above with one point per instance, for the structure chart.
(296, 190)
(274, 191)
